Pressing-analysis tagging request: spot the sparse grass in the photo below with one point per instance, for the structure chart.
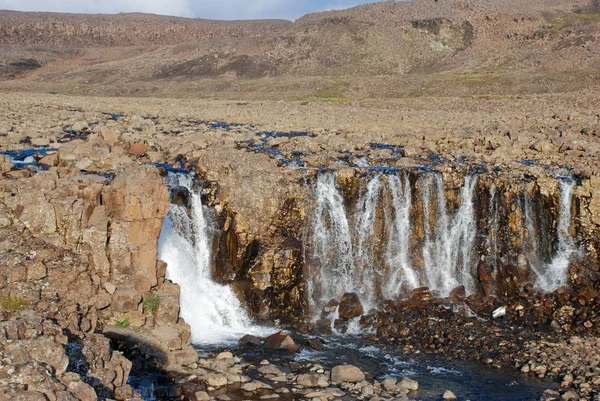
(151, 304)
(13, 303)
(310, 100)
(53, 93)
(122, 323)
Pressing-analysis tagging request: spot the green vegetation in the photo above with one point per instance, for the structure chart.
(123, 323)
(13, 303)
(52, 93)
(321, 100)
(151, 304)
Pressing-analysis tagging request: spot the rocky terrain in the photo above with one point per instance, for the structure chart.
(383, 50)
(501, 91)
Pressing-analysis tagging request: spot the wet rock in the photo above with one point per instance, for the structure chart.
(280, 340)
(249, 341)
(421, 294)
(550, 395)
(255, 385)
(350, 306)
(449, 396)
(409, 384)
(346, 373)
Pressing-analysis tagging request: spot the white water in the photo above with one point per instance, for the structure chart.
(555, 274)
(447, 249)
(344, 243)
(212, 310)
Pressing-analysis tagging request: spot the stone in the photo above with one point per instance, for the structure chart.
(110, 287)
(255, 385)
(125, 300)
(570, 396)
(201, 396)
(350, 306)
(346, 373)
(40, 142)
(185, 357)
(421, 294)
(109, 136)
(550, 395)
(499, 312)
(449, 395)
(80, 126)
(224, 355)
(167, 311)
(138, 149)
(217, 380)
(458, 293)
(409, 384)
(83, 391)
(36, 271)
(308, 380)
(249, 341)
(168, 337)
(280, 340)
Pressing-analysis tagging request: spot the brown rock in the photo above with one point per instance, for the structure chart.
(125, 300)
(168, 305)
(421, 294)
(82, 391)
(346, 374)
(281, 340)
(350, 306)
(36, 271)
(138, 149)
(109, 136)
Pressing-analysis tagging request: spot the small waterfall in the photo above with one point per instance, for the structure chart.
(555, 274)
(392, 238)
(397, 253)
(447, 251)
(332, 242)
(212, 310)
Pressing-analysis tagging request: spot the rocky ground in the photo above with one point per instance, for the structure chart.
(87, 193)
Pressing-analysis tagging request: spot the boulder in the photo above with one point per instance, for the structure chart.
(409, 384)
(249, 341)
(346, 374)
(421, 294)
(138, 149)
(449, 396)
(280, 340)
(167, 311)
(350, 306)
(125, 300)
(109, 136)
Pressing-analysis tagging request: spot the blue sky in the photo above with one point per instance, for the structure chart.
(212, 9)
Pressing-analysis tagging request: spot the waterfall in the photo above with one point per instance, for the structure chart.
(212, 310)
(344, 245)
(555, 274)
(447, 251)
(332, 242)
(397, 255)
(375, 245)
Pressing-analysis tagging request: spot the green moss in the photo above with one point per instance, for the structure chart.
(13, 303)
(123, 323)
(151, 304)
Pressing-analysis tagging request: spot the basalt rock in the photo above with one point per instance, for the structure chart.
(350, 306)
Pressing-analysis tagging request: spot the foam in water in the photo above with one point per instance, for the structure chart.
(212, 310)
(553, 275)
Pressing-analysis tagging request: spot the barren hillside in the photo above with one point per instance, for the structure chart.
(388, 49)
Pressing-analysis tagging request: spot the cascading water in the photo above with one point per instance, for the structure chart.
(344, 244)
(397, 251)
(447, 250)
(398, 237)
(212, 310)
(553, 275)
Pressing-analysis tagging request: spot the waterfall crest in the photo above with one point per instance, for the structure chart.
(212, 310)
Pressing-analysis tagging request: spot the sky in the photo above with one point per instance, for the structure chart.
(211, 9)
